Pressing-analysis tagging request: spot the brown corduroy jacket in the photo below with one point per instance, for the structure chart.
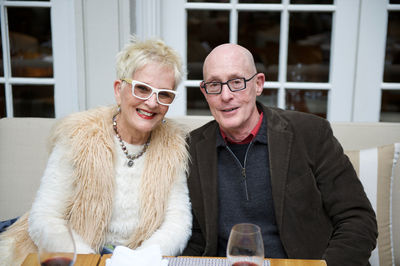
(322, 211)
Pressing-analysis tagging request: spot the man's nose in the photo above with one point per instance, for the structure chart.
(226, 93)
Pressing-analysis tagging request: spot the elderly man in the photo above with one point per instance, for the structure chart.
(281, 170)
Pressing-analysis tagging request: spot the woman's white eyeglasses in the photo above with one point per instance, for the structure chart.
(144, 91)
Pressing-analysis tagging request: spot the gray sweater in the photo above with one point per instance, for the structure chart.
(244, 190)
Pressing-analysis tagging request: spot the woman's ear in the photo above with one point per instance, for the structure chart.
(118, 91)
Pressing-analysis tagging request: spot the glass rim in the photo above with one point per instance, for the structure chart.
(249, 228)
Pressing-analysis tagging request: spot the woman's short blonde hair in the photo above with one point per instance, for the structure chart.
(138, 54)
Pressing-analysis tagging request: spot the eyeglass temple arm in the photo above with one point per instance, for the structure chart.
(127, 80)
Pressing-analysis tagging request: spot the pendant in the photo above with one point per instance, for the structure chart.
(130, 163)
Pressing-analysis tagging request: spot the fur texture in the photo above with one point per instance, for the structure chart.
(92, 154)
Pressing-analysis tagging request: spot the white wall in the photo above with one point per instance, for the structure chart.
(102, 28)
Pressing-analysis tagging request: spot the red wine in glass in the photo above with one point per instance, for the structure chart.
(244, 263)
(57, 261)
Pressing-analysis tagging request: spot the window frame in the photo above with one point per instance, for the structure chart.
(64, 77)
(343, 56)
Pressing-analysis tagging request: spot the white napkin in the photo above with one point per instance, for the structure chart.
(149, 256)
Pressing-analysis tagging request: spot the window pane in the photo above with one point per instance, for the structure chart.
(269, 97)
(261, 1)
(33, 101)
(259, 32)
(30, 42)
(309, 46)
(392, 58)
(317, 2)
(2, 101)
(390, 106)
(206, 29)
(309, 101)
(196, 103)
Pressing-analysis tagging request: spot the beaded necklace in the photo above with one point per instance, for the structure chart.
(131, 157)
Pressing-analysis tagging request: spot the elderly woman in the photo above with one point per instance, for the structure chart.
(117, 175)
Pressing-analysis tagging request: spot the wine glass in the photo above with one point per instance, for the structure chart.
(245, 246)
(64, 256)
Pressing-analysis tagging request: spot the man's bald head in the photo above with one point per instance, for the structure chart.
(229, 52)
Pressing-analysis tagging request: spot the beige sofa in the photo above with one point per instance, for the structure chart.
(23, 156)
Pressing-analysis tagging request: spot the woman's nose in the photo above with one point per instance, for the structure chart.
(152, 101)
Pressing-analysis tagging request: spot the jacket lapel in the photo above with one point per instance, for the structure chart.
(207, 165)
(280, 139)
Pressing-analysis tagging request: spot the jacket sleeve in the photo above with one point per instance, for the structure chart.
(352, 217)
(174, 232)
(47, 223)
(197, 243)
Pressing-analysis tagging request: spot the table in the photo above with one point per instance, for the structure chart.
(81, 260)
(273, 262)
(97, 260)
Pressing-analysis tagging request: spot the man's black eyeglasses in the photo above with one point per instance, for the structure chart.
(236, 84)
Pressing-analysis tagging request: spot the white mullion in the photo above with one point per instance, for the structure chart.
(307, 85)
(283, 49)
(208, 6)
(272, 84)
(390, 86)
(27, 4)
(311, 8)
(233, 23)
(260, 7)
(7, 62)
(9, 100)
(192, 83)
(393, 7)
(35, 81)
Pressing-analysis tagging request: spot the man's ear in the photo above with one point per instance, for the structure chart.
(118, 91)
(202, 89)
(260, 79)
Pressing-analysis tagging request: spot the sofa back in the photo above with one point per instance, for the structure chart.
(23, 157)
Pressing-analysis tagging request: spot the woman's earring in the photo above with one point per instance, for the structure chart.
(163, 121)
(119, 109)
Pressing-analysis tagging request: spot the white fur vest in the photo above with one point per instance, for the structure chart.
(90, 138)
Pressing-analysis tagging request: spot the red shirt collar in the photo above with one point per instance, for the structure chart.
(247, 139)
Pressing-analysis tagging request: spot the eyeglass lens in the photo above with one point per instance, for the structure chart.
(144, 92)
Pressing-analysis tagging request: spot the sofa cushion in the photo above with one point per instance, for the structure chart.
(23, 157)
(375, 167)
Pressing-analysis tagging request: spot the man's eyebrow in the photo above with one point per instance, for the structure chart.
(217, 79)
(212, 78)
